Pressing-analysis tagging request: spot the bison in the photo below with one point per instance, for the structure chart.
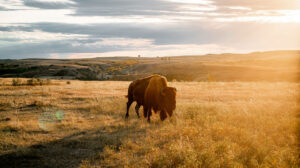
(153, 93)
(136, 92)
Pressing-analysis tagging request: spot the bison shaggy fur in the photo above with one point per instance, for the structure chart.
(153, 93)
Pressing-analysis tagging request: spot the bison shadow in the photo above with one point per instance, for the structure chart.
(71, 150)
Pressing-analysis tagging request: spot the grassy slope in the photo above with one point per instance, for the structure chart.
(216, 124)
(264, 66)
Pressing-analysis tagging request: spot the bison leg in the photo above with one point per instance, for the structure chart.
(128, 106)
(137, 107)
(162, 115)
(149, 113)
(145, 113)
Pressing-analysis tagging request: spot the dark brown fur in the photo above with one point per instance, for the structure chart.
(159, 97)
(136, 92)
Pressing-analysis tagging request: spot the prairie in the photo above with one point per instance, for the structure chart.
(81, 124)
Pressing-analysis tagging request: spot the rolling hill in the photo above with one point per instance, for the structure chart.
(257, 66)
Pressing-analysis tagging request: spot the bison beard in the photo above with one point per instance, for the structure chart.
(152, 93)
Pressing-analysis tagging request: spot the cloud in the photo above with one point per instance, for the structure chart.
(45, 49)
(43, 28)
(2, 9)
(49, 4)
(9, 5)
(161, 34)
(136, 11)
(47, 38)
(17, 27)
(122, 7)
(260, 4)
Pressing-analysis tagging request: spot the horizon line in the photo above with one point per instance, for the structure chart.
(194, 55)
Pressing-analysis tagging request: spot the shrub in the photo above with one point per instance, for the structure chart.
(40, 81)
(32, 82)
(48, 81)
(16, 82)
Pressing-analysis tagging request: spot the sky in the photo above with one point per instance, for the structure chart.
(150, 28)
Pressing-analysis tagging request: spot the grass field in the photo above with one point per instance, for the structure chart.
(81, 124)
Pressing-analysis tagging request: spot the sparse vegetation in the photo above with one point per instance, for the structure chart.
(273, 66)
(16, 82)
(35, 82)
(216, 124)
(32, 82)
(29, 82)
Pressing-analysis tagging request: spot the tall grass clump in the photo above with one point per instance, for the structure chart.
(16, 82)
(35, 82)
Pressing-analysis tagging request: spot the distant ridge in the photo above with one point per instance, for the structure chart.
(281, 65)
(195, 55)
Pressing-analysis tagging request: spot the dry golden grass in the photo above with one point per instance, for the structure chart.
(216, 124)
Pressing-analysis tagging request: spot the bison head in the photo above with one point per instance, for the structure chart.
(169, 99)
